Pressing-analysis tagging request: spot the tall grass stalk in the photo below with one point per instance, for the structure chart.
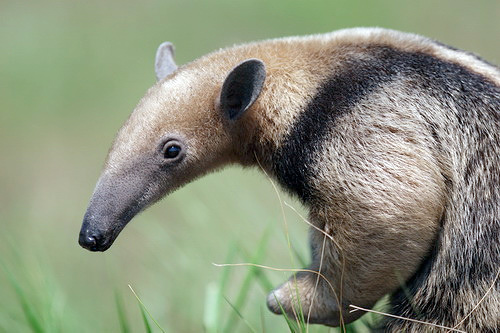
(240, 315)
(145, 311)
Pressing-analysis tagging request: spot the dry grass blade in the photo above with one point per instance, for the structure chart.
(279, 270)
(280, 200)
(356, 308)
(247, 282)
(316, 284)
(311, 224)
(287, 234)
(289, 245)
(480, 301)
(339, 299)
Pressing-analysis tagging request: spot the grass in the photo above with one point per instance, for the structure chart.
(214, 307)
(33, 319)
(145, 314)
(70, 73)
(222, 312)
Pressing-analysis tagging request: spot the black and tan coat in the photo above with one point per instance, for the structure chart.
(391, 140)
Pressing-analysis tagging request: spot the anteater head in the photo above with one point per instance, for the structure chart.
(182, 128)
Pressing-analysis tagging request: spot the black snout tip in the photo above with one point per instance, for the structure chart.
(92, 242)
(87, 241)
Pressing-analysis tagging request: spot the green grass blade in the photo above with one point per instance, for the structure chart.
(145, 311)
(28, 310)
(262, 279)
(301, 318)
(122, 314)
(247, 281)
(292, 325)
(214, 294)
(259, 273)
(224, 282)
(240, 315)
(145, 320)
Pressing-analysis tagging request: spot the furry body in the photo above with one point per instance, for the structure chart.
(391, 140)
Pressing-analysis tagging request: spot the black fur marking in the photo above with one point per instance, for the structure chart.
(447, 82)
(334, 98)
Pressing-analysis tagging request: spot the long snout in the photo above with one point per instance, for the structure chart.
(116, 200)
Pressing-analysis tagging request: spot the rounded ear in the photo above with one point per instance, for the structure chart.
(164, 61)
(241, 87)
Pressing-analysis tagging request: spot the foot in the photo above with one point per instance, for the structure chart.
(306, 298)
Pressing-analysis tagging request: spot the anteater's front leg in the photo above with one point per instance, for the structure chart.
(315, 294)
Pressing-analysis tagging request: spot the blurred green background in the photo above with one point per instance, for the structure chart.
(70, 73)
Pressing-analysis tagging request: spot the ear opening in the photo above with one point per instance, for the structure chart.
(241, 87)
(164, 60)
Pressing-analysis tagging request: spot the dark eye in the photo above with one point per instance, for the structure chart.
(172, 150)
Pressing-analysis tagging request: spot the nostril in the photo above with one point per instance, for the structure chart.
(90, 240)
